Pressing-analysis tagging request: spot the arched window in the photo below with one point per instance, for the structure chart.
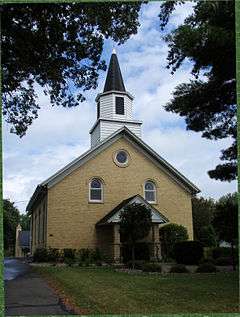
(96, 190)
(150, 192)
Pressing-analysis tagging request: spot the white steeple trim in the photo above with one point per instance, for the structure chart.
(114, 51)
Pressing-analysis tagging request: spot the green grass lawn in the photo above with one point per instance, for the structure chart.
(100, 290)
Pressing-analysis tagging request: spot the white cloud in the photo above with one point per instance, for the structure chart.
(60, 135)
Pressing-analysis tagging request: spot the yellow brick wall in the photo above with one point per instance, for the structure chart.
(39, 233)
(72, 219)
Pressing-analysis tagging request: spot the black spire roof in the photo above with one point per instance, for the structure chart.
(114, 80)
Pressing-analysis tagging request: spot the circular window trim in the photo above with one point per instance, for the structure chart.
(118, 163)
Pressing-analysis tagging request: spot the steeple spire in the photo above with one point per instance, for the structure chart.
(114, 80)
(114, 106)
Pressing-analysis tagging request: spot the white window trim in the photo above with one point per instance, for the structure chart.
(121, 164)
(89, 191)
(150, 190)
(124, 108)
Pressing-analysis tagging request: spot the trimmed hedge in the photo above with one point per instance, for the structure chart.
(152, 267)
(179, 268)
(222, 252)
(224, 261)
(69, 256)
(138, 264)
(188, 252)
(206, 268)
(69, 253)
(53, 255)
(40, 255)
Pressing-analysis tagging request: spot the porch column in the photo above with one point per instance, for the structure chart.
(156, 243)
(116, 243)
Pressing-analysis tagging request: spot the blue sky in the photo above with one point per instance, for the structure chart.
(59, 135)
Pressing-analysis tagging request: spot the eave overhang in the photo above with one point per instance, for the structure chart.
(114, 92)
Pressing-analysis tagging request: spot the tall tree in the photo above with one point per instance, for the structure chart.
(208, 102)
(225, 220)
(203, 211)
(135, 224)
(25, 222)
(57, 46)
(11, 219)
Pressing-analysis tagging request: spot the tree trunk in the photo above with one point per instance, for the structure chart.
(133, 256)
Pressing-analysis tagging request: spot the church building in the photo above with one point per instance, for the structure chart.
(79, 206)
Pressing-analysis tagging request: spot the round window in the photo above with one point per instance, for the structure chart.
(121, 158)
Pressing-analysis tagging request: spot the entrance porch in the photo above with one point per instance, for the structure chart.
(109, 239)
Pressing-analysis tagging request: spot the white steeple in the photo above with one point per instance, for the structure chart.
(114, 106)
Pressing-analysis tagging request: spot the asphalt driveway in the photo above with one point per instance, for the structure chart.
(26, 293)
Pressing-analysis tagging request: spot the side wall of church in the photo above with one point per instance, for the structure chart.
(38, 226)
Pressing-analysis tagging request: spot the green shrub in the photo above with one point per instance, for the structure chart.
(224, 261)
(40, 255)
(220, 252)
(179, 268)
(69, 261)
(69, 253)
(188, 252)
(98, 263)
(53, 255)
(171, 234)
(207, 260)
(84, 255)
(206, 268)
(96, 255)
(152, 267)
(138, 264)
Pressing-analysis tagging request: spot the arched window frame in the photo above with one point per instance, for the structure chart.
(154, 190)
(90, 190)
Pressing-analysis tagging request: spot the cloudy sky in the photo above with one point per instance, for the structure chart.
(60, 135)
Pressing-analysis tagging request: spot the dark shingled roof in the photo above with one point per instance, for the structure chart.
(104, 220)
(24, 239)
(112, 212)
(114, 80)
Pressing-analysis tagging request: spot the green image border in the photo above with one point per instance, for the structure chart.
(2, 301)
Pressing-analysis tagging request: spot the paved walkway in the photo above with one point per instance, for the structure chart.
(26, 293)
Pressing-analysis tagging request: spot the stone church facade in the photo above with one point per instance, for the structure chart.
(79, 206)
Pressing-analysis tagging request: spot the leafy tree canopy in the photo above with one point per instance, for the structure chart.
(57, 46)
(202, 211)
(207, 102)
(135, 224)
(225, 219)
(25, 222)
(11, 219)
(207, 236)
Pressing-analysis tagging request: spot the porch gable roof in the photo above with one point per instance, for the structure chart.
(114, 215)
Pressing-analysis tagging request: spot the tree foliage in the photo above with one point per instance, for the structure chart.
(207, 102)
(207, 236)
(25, 222)
(135, 224)
(57, 46)
(202, 211)
(171, 234)
(225, 219)
(11, 219)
